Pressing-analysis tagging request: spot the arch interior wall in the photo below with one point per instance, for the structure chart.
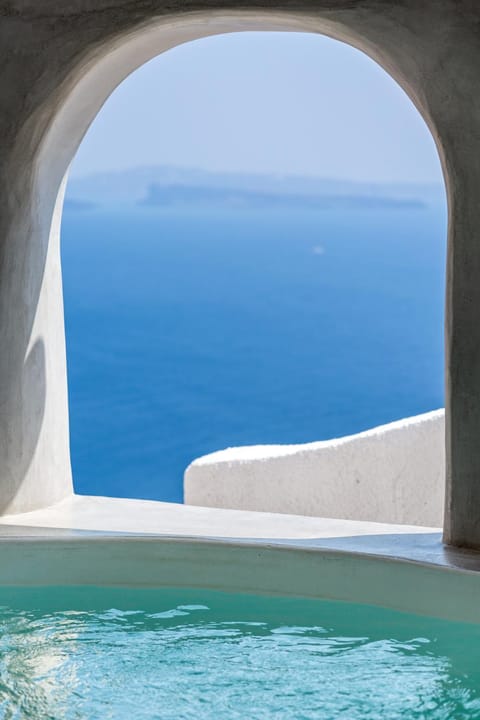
(60, 61)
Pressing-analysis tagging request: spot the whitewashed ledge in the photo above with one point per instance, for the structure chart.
(115, 542)
(393, 473)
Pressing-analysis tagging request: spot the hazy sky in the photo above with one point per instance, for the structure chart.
(263, 102)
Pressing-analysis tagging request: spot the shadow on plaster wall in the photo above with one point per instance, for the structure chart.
(20, 440)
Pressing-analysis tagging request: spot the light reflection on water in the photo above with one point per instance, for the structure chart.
(91, 653)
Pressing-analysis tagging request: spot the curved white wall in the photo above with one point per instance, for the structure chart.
(58, 67)
(394, 473)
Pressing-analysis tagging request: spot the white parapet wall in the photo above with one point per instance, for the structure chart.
(394, 473)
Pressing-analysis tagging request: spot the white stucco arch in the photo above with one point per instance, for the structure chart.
(57, 84)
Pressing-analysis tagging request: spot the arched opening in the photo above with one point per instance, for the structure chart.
(72, 73)
(357, 302)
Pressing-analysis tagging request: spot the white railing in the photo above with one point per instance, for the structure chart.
(393, 473)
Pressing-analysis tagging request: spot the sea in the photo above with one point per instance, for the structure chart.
(190, 330)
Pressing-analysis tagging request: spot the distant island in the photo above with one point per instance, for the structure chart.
(228, 197)
(164, 186)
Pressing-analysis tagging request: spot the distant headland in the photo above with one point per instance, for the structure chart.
(163, 186)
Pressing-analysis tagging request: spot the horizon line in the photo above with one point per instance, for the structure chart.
(255, 173)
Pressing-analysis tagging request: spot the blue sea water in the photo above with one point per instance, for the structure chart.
(188, 332)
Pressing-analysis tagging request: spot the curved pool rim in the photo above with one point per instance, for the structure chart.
(115, 542)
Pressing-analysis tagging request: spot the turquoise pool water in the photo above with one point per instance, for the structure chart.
(88, 653)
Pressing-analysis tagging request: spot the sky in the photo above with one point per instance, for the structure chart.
(277, 103)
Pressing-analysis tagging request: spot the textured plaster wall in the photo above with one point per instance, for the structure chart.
(394, 473)
(59, 61)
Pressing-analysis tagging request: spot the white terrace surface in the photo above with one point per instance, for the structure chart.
(162, 519)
